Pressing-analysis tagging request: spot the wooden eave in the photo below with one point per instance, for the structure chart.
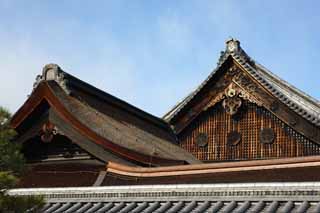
(46, 90)
(212, 168)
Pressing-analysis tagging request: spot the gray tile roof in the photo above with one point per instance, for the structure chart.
(249, 197)
(184, 206)
(298, 101)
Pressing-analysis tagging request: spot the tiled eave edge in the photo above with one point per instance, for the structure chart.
(247, 191)
(310, 116)
(177, 108)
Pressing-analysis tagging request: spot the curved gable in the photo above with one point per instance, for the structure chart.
(98, 134)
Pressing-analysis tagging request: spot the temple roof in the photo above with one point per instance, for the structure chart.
(250, 197)
(115, 126)
(127, 132)
(72, 84)
(298, 101)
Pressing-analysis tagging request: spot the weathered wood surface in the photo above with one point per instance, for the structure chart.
(108, 134)
(250, 120)
(83, 141)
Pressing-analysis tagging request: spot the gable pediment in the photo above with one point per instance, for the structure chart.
(238, 78)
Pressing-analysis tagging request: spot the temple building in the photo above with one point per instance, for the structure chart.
(243, 141)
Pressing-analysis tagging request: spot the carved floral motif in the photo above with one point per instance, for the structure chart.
(238, 87)
(231, 98)
(47, 132)
(231, 105)
(248, 86)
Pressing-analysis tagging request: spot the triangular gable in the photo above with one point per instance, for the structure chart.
(252, 82)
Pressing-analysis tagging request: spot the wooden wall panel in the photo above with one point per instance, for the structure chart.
(249, 121)
(67, 174)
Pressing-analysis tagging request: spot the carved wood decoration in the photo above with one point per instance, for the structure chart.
(266, 135)
(232, 98)
(47, 133)
(233, 138)
(202, 139)
(268, 128)
(224, 88)
(217, 124)
(235, 78)
(231, 105)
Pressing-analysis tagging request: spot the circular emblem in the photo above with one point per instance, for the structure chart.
(202, 139)
(267, 136)
(233, 138)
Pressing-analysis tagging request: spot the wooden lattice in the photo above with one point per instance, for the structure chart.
(249, 121)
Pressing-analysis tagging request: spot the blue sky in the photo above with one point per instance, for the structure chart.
(153, 53)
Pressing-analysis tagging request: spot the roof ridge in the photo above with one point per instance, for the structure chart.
(65, 80)
(288, 85)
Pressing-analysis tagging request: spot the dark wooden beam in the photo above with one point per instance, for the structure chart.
(81, 140)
